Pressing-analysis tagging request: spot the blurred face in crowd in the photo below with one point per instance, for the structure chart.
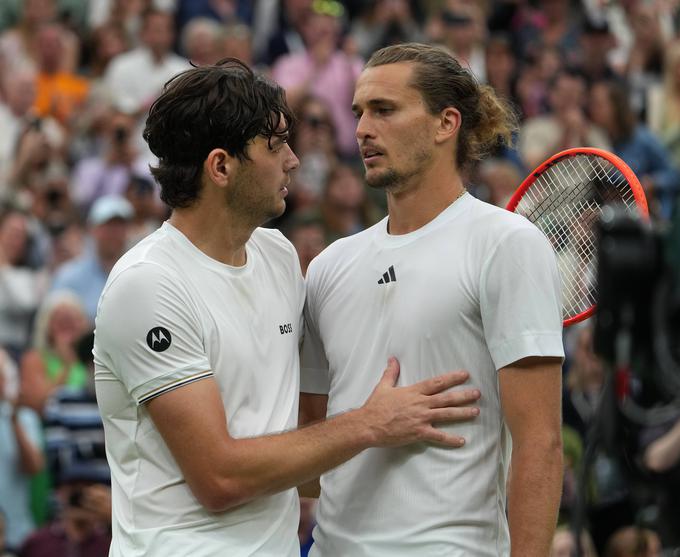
(600, 105)
(345, 189)
(395, 131)
(50, 48)
(309, 241)
(14, 237)
(109, 42)
(111, 238)
(236, 43)
(201, 45)
(500, 62)
(38, 11)
(66, 321)
(567, 92)
(319, 28)
(158, 32)
(315, 129)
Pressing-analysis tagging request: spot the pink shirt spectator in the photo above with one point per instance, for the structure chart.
(334, 83)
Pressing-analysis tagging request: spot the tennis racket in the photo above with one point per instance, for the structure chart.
(564, 197)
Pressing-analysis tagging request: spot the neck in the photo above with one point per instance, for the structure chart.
(414, 205)
(217, 233)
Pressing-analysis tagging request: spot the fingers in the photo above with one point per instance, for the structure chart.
(391, 373)
(440, 415)
(439, 437)
(454, 398)
(442, 382)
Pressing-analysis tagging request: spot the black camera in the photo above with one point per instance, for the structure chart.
(638, 309)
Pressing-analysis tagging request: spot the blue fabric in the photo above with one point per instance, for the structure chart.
(84, 277)
(646, 156)
(14, 484)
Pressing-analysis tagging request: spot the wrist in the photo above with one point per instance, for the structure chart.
(362, 428)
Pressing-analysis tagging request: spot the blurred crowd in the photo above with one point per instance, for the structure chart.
(77, 78)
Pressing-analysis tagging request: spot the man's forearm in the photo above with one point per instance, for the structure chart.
(534, 497)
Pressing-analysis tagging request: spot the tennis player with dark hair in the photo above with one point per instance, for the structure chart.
(445, 281)
(197, 336)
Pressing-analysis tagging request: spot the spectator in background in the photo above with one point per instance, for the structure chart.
(18, 44)
(663, 114)
(567, 125)
(644, 66)
(79, 529)
(500, 66)
(632, 541)
(135, 78)
(200, 41)
(20, 455)
(463, 32)
(345, 206)
(285, 35)
(497, 180)
(383, 23)
(596, 44)
(27, 143)
(660, 452)
(109, 173)
(53, 361)
(314, 142)
(108, 221)
(148, 210)
(609, 502)
(564, 545)
(307, 234)
(235, 42)
(20, 286)
(324, 71)
(59, 93)
(610, 109)
(106, 42)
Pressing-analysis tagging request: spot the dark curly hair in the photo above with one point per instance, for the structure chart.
(221, 106)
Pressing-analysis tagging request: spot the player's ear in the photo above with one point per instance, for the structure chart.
(218, 167)
(448, 124)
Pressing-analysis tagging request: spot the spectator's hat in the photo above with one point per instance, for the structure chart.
(109, 207)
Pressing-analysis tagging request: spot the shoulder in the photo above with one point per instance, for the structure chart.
(492, 227)
(271, 242)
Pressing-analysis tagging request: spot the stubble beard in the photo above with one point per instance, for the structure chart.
(257, 210)
(392, 180)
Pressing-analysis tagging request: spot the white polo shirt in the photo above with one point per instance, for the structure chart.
(170, 315)
(477, 288)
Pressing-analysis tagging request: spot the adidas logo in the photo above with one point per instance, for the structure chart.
(388, 276)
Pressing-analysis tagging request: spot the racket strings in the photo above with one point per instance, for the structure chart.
(565, 202)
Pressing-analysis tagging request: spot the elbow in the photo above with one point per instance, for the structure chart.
(222, 495)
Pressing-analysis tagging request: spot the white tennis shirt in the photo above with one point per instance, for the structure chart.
(170, 315)
(477, 289)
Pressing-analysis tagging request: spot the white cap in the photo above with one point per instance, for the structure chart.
(109, 207)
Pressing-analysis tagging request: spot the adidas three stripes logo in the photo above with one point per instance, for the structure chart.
(388, 276)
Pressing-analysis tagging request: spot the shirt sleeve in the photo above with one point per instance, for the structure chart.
(314, 376)
(520, 297)
(148, 333)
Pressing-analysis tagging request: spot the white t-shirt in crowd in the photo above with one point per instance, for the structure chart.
(477, 288)
(168, 316)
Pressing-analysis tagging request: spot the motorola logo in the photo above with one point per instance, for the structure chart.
(158, 339)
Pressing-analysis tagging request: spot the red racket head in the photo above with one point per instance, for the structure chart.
(564, 198)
